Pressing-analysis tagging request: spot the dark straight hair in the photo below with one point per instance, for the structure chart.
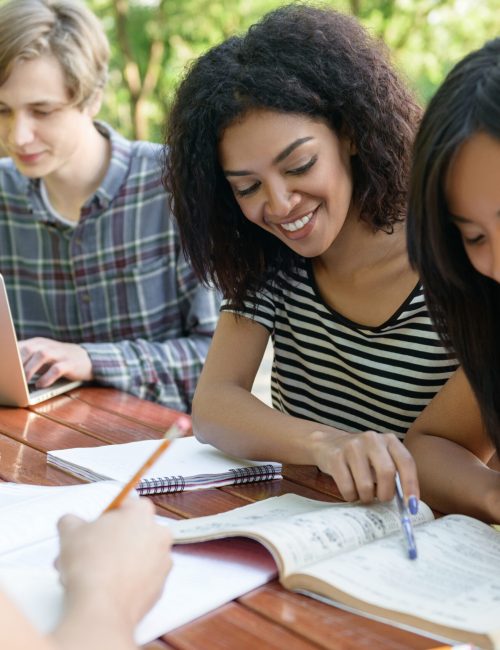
(464, 304)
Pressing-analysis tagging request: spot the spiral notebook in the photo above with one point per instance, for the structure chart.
(187, 465)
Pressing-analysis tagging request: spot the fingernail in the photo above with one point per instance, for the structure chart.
(413, 504)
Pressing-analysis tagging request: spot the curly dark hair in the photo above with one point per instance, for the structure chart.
(298, 59)
(464, 304)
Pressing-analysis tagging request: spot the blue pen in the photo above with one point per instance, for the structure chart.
(405, 520)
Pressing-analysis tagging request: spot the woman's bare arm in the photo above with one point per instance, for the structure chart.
(451, 448)
(227, 415)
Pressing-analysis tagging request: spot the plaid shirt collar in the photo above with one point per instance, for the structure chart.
(113, 180)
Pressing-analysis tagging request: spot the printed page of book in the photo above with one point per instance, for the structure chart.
(454, 582)
(299, 531)
(185, 457)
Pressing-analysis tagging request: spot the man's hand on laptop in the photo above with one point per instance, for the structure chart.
(51, 360)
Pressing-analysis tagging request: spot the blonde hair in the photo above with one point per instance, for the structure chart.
(66, 29)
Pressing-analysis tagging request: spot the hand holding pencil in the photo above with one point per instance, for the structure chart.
(119, 561)
(96, 557)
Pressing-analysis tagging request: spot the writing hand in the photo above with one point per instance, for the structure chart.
(53, 359)
(123, 558)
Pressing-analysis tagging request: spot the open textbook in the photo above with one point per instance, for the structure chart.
(29, 545)
(355, 555)
(188, 465)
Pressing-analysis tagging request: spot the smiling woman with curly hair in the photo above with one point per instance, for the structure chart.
(288, 162)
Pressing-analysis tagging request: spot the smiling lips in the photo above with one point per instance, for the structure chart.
(298, 224)
(29, 158)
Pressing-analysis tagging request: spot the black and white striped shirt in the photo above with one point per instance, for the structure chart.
(331, 370)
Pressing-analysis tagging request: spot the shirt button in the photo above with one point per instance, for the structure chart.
(85, 297)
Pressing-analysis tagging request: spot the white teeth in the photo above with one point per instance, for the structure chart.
(297, 225)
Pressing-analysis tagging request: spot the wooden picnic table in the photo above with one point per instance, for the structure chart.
(267, 618)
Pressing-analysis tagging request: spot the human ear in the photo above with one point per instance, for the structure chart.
(349, 145)
(93, 105)
(346, 136)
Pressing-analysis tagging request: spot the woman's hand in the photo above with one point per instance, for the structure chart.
(364, 465)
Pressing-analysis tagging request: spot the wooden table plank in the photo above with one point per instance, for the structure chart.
(102, 425)
(313, 478)
(265, 489)
(22, 464)
(212, 501)
(114, 401)
(328, 626)
(39, 432)
(157, 645)
(234, 627)
(199, 502)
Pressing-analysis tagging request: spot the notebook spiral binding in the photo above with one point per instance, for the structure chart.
(253, 474)
(161, 485)
(239, 476)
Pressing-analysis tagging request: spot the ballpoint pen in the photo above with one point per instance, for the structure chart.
(405, 520)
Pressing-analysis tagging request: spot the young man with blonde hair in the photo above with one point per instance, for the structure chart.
(97, 281)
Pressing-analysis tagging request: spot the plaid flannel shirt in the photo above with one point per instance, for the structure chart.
(115, 282)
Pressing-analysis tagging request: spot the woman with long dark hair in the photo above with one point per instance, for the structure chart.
(454, 243)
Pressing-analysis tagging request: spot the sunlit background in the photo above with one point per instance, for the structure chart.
(153, 41)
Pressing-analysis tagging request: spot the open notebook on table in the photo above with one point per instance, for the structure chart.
(29, 545)
(187, 465)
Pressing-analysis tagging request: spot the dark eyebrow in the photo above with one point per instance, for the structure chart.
(291, 147)
(279, 158)
(459, 219)
(456, 217)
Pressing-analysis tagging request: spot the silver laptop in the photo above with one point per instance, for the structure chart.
(14, 389)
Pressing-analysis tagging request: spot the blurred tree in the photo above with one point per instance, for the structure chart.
(141, 84)
(427, 37)
(153, 41)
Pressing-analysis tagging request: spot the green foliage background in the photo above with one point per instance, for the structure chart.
(426, 38)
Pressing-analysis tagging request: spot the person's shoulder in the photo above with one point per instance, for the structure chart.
(146, 149)
(7, 166)
(135, 150)
(147, 152)
(146, 158)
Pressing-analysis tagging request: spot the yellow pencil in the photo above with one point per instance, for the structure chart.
(460, 646)
(179, 428)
